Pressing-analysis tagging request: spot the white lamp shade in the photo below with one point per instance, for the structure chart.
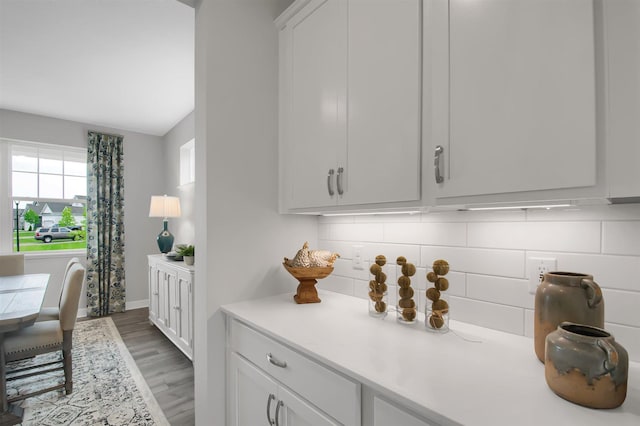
(164, 206)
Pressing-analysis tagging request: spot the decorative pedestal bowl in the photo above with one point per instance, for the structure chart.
(308, 277)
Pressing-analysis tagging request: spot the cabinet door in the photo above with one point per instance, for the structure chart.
(294, 411)
(521, 101)
(153, 293)
(184, 311)
(163, 297)
(385, 414)
(384, 95)
(316, 76)
(173, 306)
(622, 38)
(252, 394)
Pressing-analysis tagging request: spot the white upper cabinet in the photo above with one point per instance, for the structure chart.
(350, 103)
(515, 102)
(530, 100)
(622, 35)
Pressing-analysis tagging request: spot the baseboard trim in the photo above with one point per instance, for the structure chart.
(135, 304)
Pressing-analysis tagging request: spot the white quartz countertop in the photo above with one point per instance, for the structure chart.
(471, 375)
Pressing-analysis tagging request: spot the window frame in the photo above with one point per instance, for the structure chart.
(7, 212)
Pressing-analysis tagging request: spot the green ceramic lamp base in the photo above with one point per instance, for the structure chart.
(165, 239)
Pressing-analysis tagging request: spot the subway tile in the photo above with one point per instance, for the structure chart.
(528, 323)
(582, 237)
(613, 272)
(343, 248)
(337, 284)
(387, 218)
(392, 252)
(503, 263)
(628, 337)
(621, 238)
(344, 268)
(485, 314)
(361, 290)
(324, 231)
(442, 234)
(587, 213)
(475, 216)
(336, 219)
(621, 307)
(370, 232)
(506, 291)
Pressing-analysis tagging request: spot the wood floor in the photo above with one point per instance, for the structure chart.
(167, 371)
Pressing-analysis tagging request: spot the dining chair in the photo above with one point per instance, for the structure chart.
(11, 264)
(48, 336)
(53, 312)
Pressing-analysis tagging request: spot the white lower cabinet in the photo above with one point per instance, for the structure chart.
(171, 301)
(385, 413)
(271, 384)
(258, 399)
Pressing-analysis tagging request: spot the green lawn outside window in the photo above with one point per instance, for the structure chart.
(29, 243)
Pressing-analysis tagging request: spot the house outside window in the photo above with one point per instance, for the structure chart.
(47, 186)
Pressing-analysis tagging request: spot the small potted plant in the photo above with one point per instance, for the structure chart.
(187, 251)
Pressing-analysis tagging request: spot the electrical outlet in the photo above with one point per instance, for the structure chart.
(356, 259)
(537, 267)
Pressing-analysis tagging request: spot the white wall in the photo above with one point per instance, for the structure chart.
(241, 238)
(182, 228)
(140, 182)
(487, 252)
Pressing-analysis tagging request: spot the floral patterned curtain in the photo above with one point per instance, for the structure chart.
(105, 225)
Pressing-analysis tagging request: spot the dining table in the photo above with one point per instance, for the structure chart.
(21, 299)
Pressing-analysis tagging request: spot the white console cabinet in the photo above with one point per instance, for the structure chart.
(171, 300)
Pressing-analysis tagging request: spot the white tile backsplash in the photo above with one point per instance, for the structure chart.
(581, 237)
(504, 263)
(621, 237)
(613, 272)
(442, 234)
(491, 315)
(507, 291)
(622, 307)
(487, 252)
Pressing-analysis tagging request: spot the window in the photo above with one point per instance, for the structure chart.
(188, 162)
(48, 188)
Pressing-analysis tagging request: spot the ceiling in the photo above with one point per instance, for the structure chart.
(125, 64)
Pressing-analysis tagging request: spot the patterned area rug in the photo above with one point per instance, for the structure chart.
(108, 388)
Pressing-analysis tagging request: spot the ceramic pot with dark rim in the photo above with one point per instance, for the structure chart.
(585, 365)
(565, 296)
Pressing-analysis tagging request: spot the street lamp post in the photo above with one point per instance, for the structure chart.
(17, 227)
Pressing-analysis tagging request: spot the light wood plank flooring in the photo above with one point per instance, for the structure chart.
(167, 371)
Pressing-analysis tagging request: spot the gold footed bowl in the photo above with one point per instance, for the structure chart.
(308, 277)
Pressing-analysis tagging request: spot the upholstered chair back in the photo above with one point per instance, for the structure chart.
(11, 264)
(70, 263)
(70, 299)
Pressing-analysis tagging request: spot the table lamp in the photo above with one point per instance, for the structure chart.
(165, 207)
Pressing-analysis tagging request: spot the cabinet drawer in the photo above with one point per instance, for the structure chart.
(331, 392)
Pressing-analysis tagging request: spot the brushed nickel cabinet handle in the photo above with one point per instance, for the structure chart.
(274, 361)
(280, 404)
(271, 398)
(339, 180)
(330, 183)
(436, 163)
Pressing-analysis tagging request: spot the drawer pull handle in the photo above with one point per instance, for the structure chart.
(436, 163)
(329, 184)
(274, 361)
(280, 404)
(339, 180)
(272, 397)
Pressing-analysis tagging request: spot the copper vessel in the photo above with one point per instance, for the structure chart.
(565, 296)
(585, 365)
